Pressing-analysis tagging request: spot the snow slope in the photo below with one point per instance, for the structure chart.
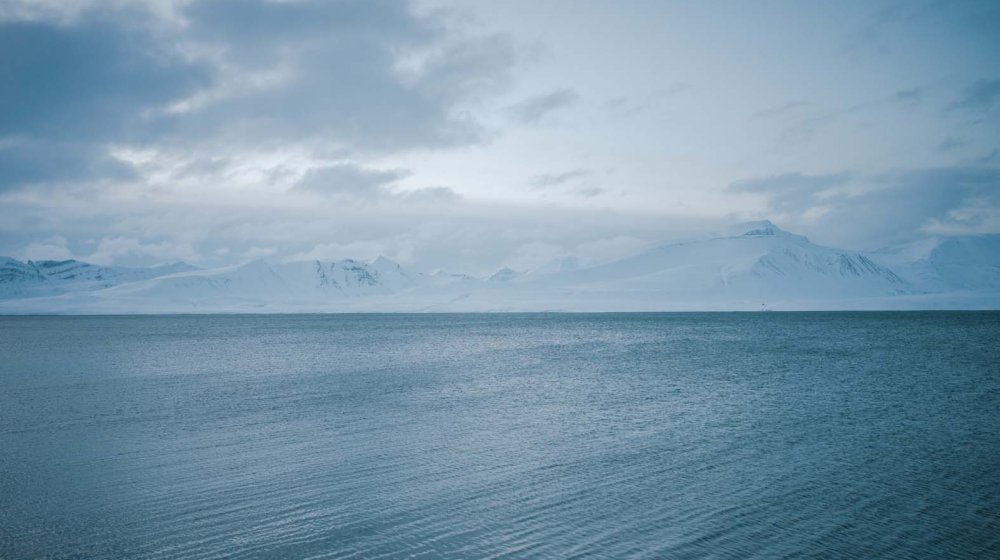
(941, 264)
(45, 278)
(263, 284)
(749, 266)
(757, 260)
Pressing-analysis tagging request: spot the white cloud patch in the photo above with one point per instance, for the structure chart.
(51, 249)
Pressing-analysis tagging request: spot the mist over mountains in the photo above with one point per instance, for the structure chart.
(753, 266)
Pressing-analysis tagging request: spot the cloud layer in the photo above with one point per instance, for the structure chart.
(471, 136)
(346, 78)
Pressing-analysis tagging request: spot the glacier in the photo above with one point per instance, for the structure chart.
(748, 267)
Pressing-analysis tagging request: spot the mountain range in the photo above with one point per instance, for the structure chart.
(753, 266)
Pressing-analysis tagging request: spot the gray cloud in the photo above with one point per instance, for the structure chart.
(992, 157)
(429, 195)
(909, 95)
(533, 110)
(892, 207)
(203, 167)
(337, 76)
(333, 75)
(552, 179)
(568, 183)
(255, 31)
(89, 81)
(779, 110)
(253, 74)
(624, 107)
(885, 20)
(911, 203)
(950, 143)
(980, 96)
(353, 183)
(189, 127)
(588, 191)
(669, 91)
(790, 191)
(349, 181)
(26, 161)
(69, 89)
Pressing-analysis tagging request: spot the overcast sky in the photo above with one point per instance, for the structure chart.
(470, 135)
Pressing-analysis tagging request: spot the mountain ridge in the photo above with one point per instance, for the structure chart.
(748, 265)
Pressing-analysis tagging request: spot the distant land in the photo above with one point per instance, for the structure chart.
(754, 266)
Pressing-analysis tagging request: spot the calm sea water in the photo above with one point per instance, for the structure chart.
(768, 435)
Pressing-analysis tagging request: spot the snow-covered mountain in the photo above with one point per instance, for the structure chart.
(751, 265)
(262, 284)
(562, 264)
(45, 278)
(941, 264)
(757, 260)
(505, 274)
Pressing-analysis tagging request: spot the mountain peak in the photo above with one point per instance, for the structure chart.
(757, 228)
(505, 274)
(383, 261)
(761, 228)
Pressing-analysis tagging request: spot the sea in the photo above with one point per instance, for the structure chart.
(675, 435)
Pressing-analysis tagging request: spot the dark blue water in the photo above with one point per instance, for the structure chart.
(765, 435)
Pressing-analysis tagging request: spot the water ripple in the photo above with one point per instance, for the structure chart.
(501, 436)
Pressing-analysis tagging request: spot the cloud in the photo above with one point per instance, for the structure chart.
(362, 76)
(779, 110)
(26, 161)
(51, 249)
(979, 96)
(624, 107)
(90, 81)
(950, 143)
(790, 191)
(884, 208)
(258, 252)
(587, 191)
(567, 183)
(553, 179)
(435, 227)
(909, 95)
(353, 183)
(112, 249)
(203, 167)
(349, 181)
(669, 91)
(210, 80)
(992, 157)
(534, 109)
(358, 250)
(879, 33)
(70, 89)
(911, 203)
(227, 126)
(429, 195)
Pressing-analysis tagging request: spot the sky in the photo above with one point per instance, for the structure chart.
(473, 135)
